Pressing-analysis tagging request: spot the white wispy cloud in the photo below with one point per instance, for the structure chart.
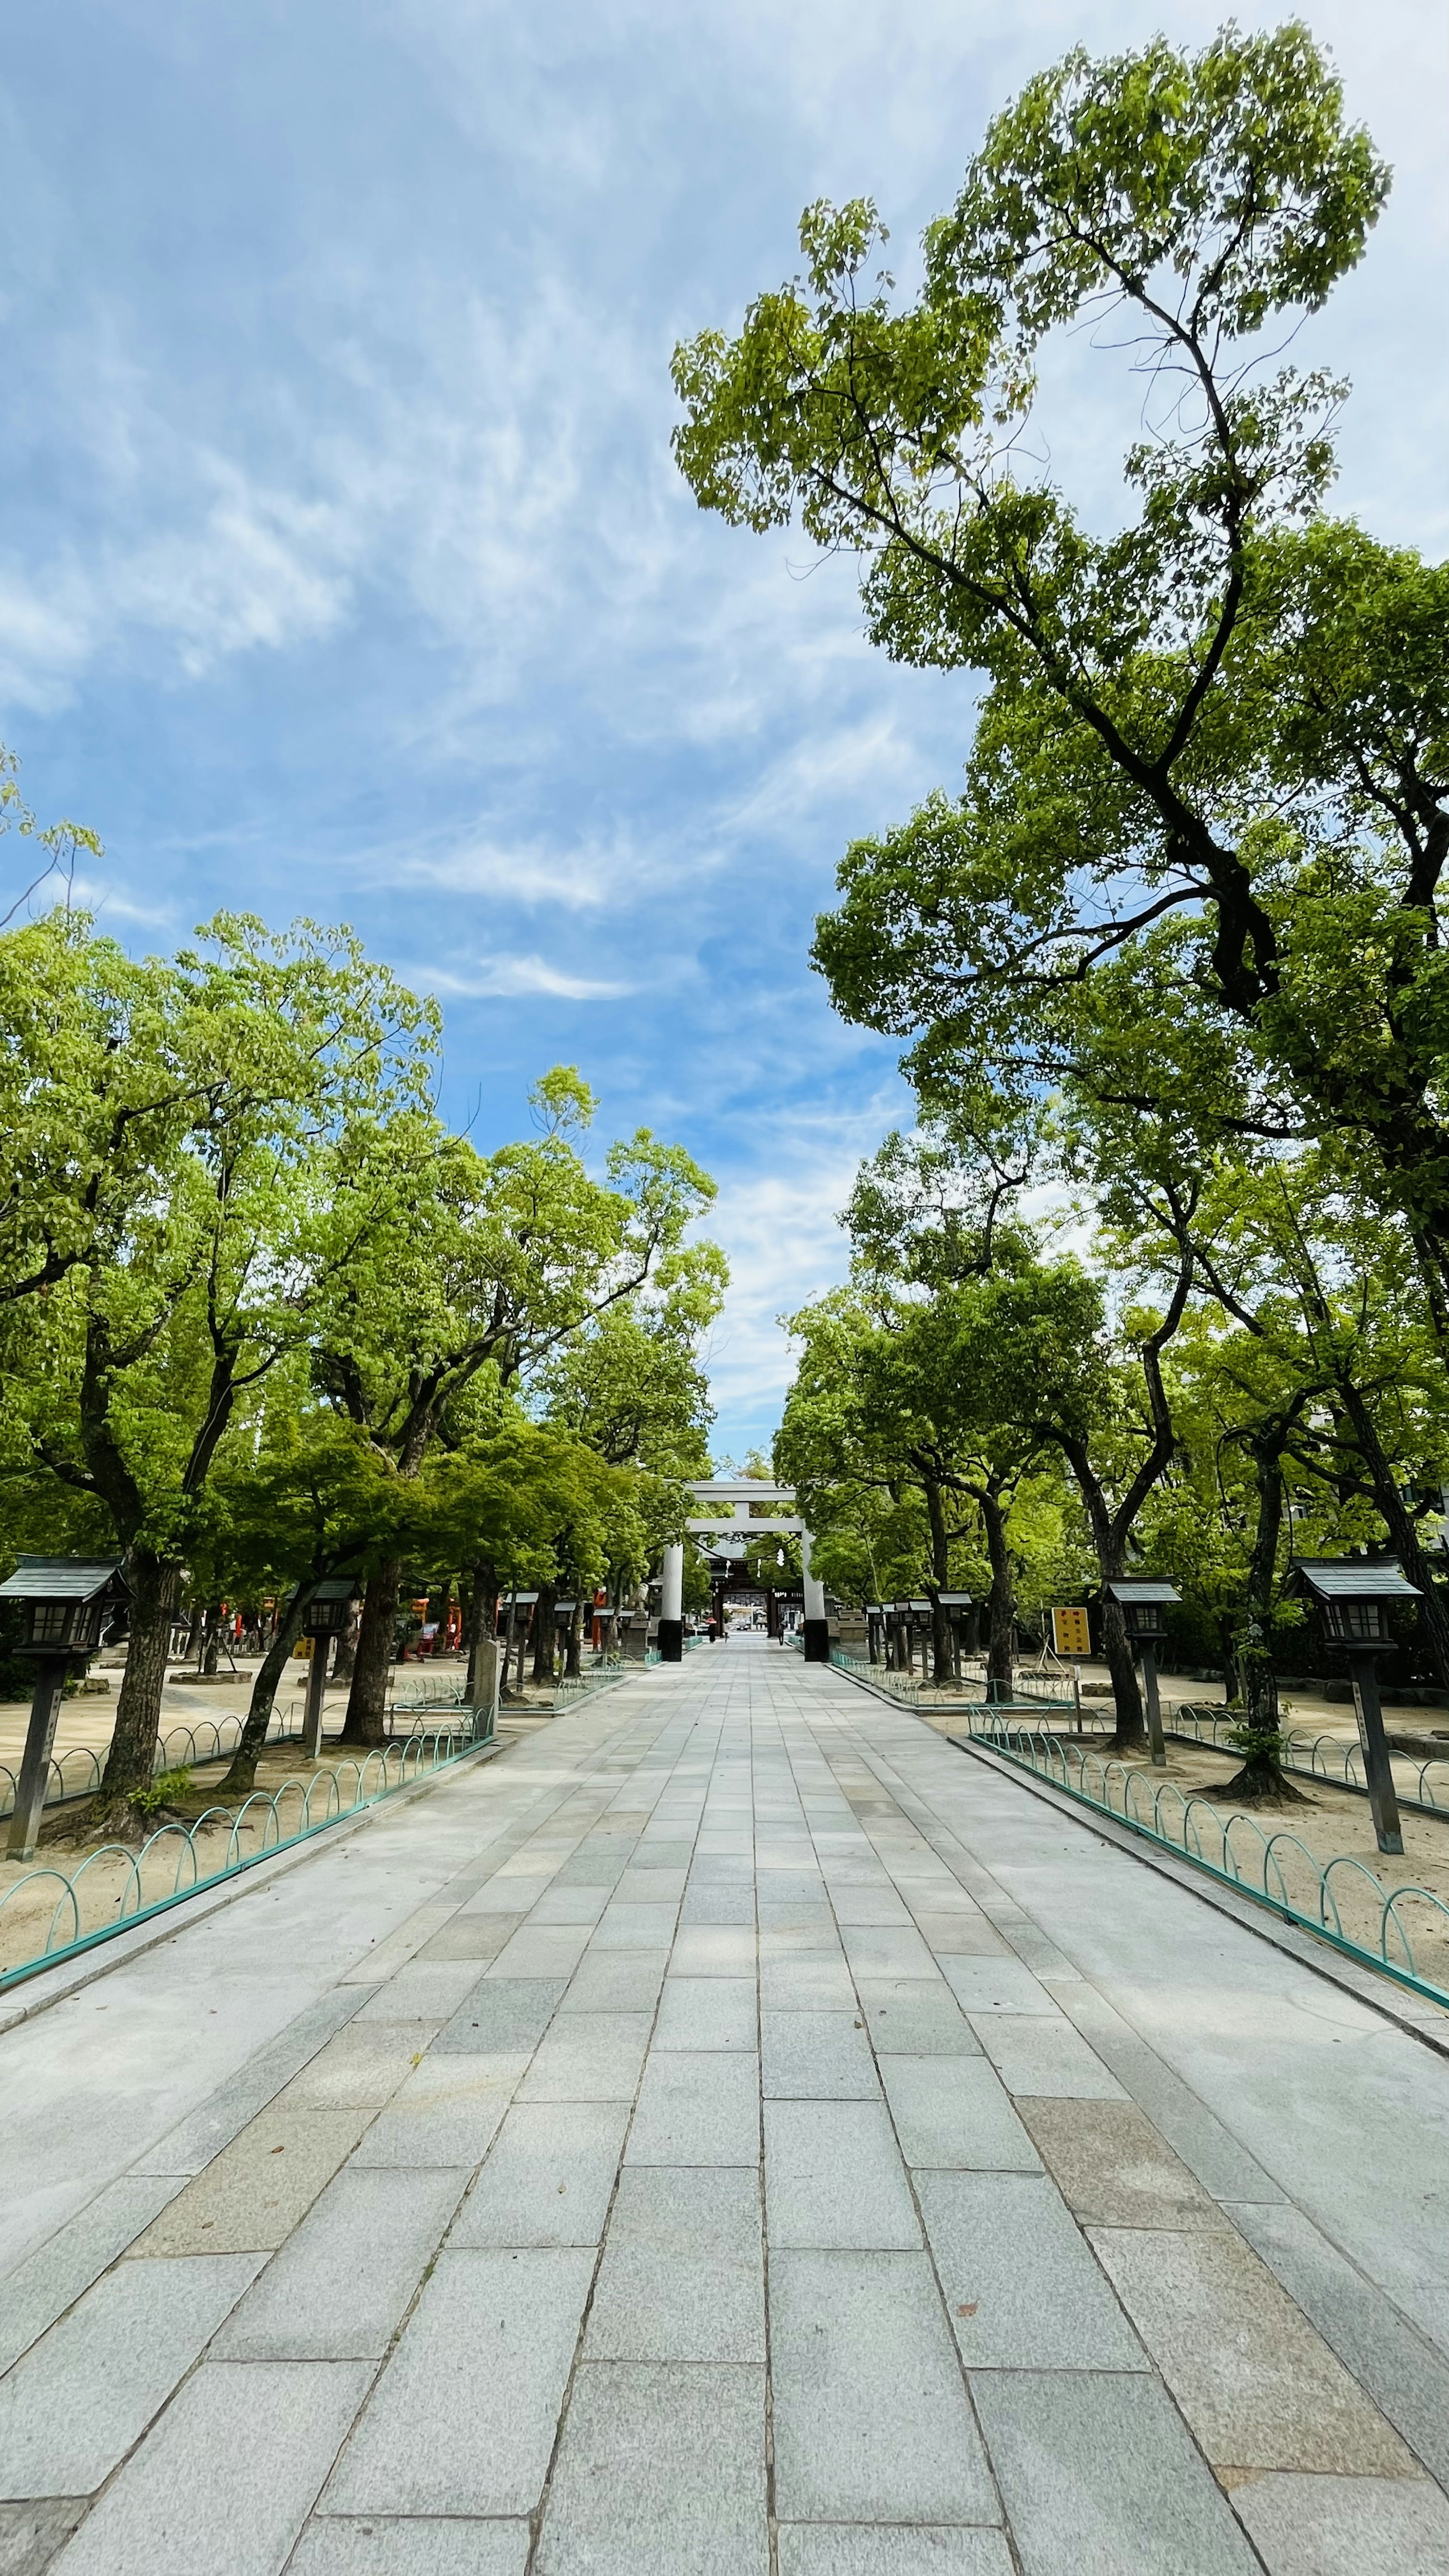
(514, 977)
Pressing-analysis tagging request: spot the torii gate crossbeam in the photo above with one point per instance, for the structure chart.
(729, 1503)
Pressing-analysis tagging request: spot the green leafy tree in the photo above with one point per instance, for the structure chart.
(179, 1246)
(490, 1270)
(1213, 749)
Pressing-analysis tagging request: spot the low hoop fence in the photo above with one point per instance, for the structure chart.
(76, 1774)
(901, 1686)
(1401, 1931)
(182, 1860)
(577, 1687)
(1334, 1759)
(1040, 1690)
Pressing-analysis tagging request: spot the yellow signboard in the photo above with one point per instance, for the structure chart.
(1071, 1633)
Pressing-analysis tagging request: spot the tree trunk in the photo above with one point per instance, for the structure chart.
(1130, 1732)
(482, 1619)
(346, 1664)
(573, 1660)
(155, 1589)
(940, 1582)
(1261, 1775)
(543, 1634)
(1402, 1527)
(1258, 1682)
(366, 1720)
(211, 1656)
(241, 1779)
(1001, 1607)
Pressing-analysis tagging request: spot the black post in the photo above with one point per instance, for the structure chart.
(1378, 1770)
(35, 1763)
(1154, 1706)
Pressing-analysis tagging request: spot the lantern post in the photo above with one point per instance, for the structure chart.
(67, 1602)
(1353, 1598)
(1145, 1602)
(326, 1617)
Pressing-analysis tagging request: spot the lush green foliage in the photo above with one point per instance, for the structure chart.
(263, 1320)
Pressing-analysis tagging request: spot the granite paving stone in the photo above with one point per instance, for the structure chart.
(361, 2068)
(255, 2192)
(697, 2107)
(425, 1990)
(635, 1927)
(1022, 2289)
(642, 1885)
(714, 1950)
(31, 2533)
(996, 1985)
(548, 2177)
(958, 1936)
(886, 1950)
(822, 2056)
(190, 2498)
(659, 2470)
(1114, 2168)
(226, 2112)
(718, 1906)
(478, 1937)
(1099, 2476)
(794, 1887)
(1035, 2054)
(682, 2277)
(834, 2177)
(570, 1904)
(955, 2112)
(871, 2418)
(1404, 2375)
(339, 2285)
(501, 2322)
(916, 2017)
(485, 2346)
(706, 2012)
(588, 2057)
(1331, 2526)
(447, 2113)
(409, 2545)
(617, 1980)
(882, 2549)
(857, 1905)
(501, 2016)
(53, 2277)
(805, 1981)
(81, 2396)
(542, 1950)
(1258, 2386)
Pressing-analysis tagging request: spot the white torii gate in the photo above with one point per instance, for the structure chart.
(729, 1503)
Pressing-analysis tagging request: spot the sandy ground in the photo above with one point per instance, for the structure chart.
(106, 1879)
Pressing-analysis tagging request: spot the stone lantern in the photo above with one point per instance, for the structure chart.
(1351, 1599)
(1144, 1602)
(68, 1602)
(326, 1616)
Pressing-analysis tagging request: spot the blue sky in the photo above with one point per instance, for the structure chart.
(344, 568)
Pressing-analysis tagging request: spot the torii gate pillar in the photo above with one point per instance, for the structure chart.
(671, 1607)
(816, 1625)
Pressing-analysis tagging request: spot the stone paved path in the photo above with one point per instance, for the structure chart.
(732, 2133)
